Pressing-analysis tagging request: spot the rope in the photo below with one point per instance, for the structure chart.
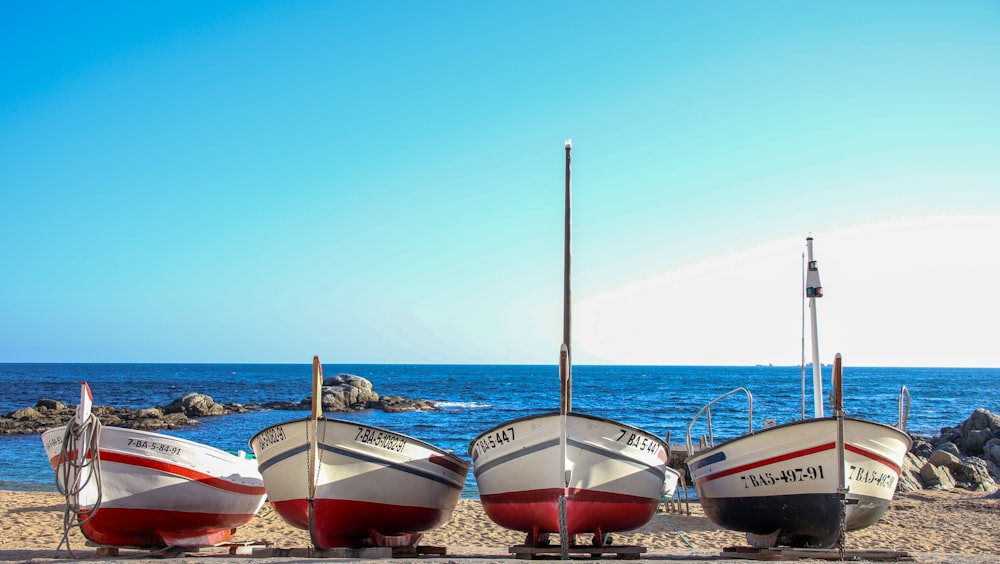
(679, 533)
(75, 472)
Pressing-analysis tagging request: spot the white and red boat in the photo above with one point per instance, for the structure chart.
(353, 485)
(136, 488)
(565, 472)
(599, 476)
(807, 482)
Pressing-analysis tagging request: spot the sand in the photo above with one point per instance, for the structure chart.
(931, 526)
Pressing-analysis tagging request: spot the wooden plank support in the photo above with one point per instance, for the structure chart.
(788, 553)
(246, 548)
(625, 552)
(419, 550)
(371, 553)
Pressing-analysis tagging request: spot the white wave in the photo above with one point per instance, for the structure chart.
(461, 404)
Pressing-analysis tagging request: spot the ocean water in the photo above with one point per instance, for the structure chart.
(475, 398)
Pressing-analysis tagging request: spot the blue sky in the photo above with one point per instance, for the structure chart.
(381, 182)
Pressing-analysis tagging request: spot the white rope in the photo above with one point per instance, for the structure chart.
(75, 472)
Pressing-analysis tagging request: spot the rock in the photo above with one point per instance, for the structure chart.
(981, 419)
(909, 478)
(351, 380)
(50, 404)
(994, 470)
(195, 405)
(921, 446)
(28, 413)
(948, 435)
(397, 404)
(978, 429)
(948, 447)
(149, 413)
(946, 459)
(991, 451)
(936, 477)
(975, 440)
(973, 474)
(345, 392)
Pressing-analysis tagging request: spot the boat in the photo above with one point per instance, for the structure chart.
(567, 472)
(134, 488)
(804, 483)
(353, 485)
(670, 483)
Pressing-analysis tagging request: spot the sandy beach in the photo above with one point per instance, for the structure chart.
(931, 526)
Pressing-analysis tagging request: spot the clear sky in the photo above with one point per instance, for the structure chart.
(381, 182)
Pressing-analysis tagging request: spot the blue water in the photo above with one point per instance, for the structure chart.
(659, 399)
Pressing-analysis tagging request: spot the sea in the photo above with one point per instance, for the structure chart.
(472, 399)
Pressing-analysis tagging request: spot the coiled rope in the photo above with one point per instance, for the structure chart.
(79, 465)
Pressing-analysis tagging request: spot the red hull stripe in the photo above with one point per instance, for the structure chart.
(799, 454)
(877, 458)
(449, 464)
(56, 460)
(181, 471)
(767, 461)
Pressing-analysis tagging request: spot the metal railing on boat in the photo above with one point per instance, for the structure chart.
(707, 410)
(904, 409)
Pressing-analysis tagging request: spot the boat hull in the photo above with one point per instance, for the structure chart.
(369, 483)
(616, 474)
(784, 479)
(158, 490)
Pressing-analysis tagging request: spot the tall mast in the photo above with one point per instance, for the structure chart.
(567, 366)
(814, 290)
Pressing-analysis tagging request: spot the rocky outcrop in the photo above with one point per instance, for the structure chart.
(965, 456)
(348, 392)
(48, 413)
(343, 392)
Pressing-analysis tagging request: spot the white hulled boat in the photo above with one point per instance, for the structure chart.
(803, 483)
(353, 485)
(130, 487)
(566, 472)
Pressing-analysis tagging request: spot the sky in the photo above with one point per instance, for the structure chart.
(382, 182)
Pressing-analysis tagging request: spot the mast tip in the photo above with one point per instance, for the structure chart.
(569, 143)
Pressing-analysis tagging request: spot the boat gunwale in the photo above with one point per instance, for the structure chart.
(205, 448)
(451, 455)
(711, 450)
(493, 429)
